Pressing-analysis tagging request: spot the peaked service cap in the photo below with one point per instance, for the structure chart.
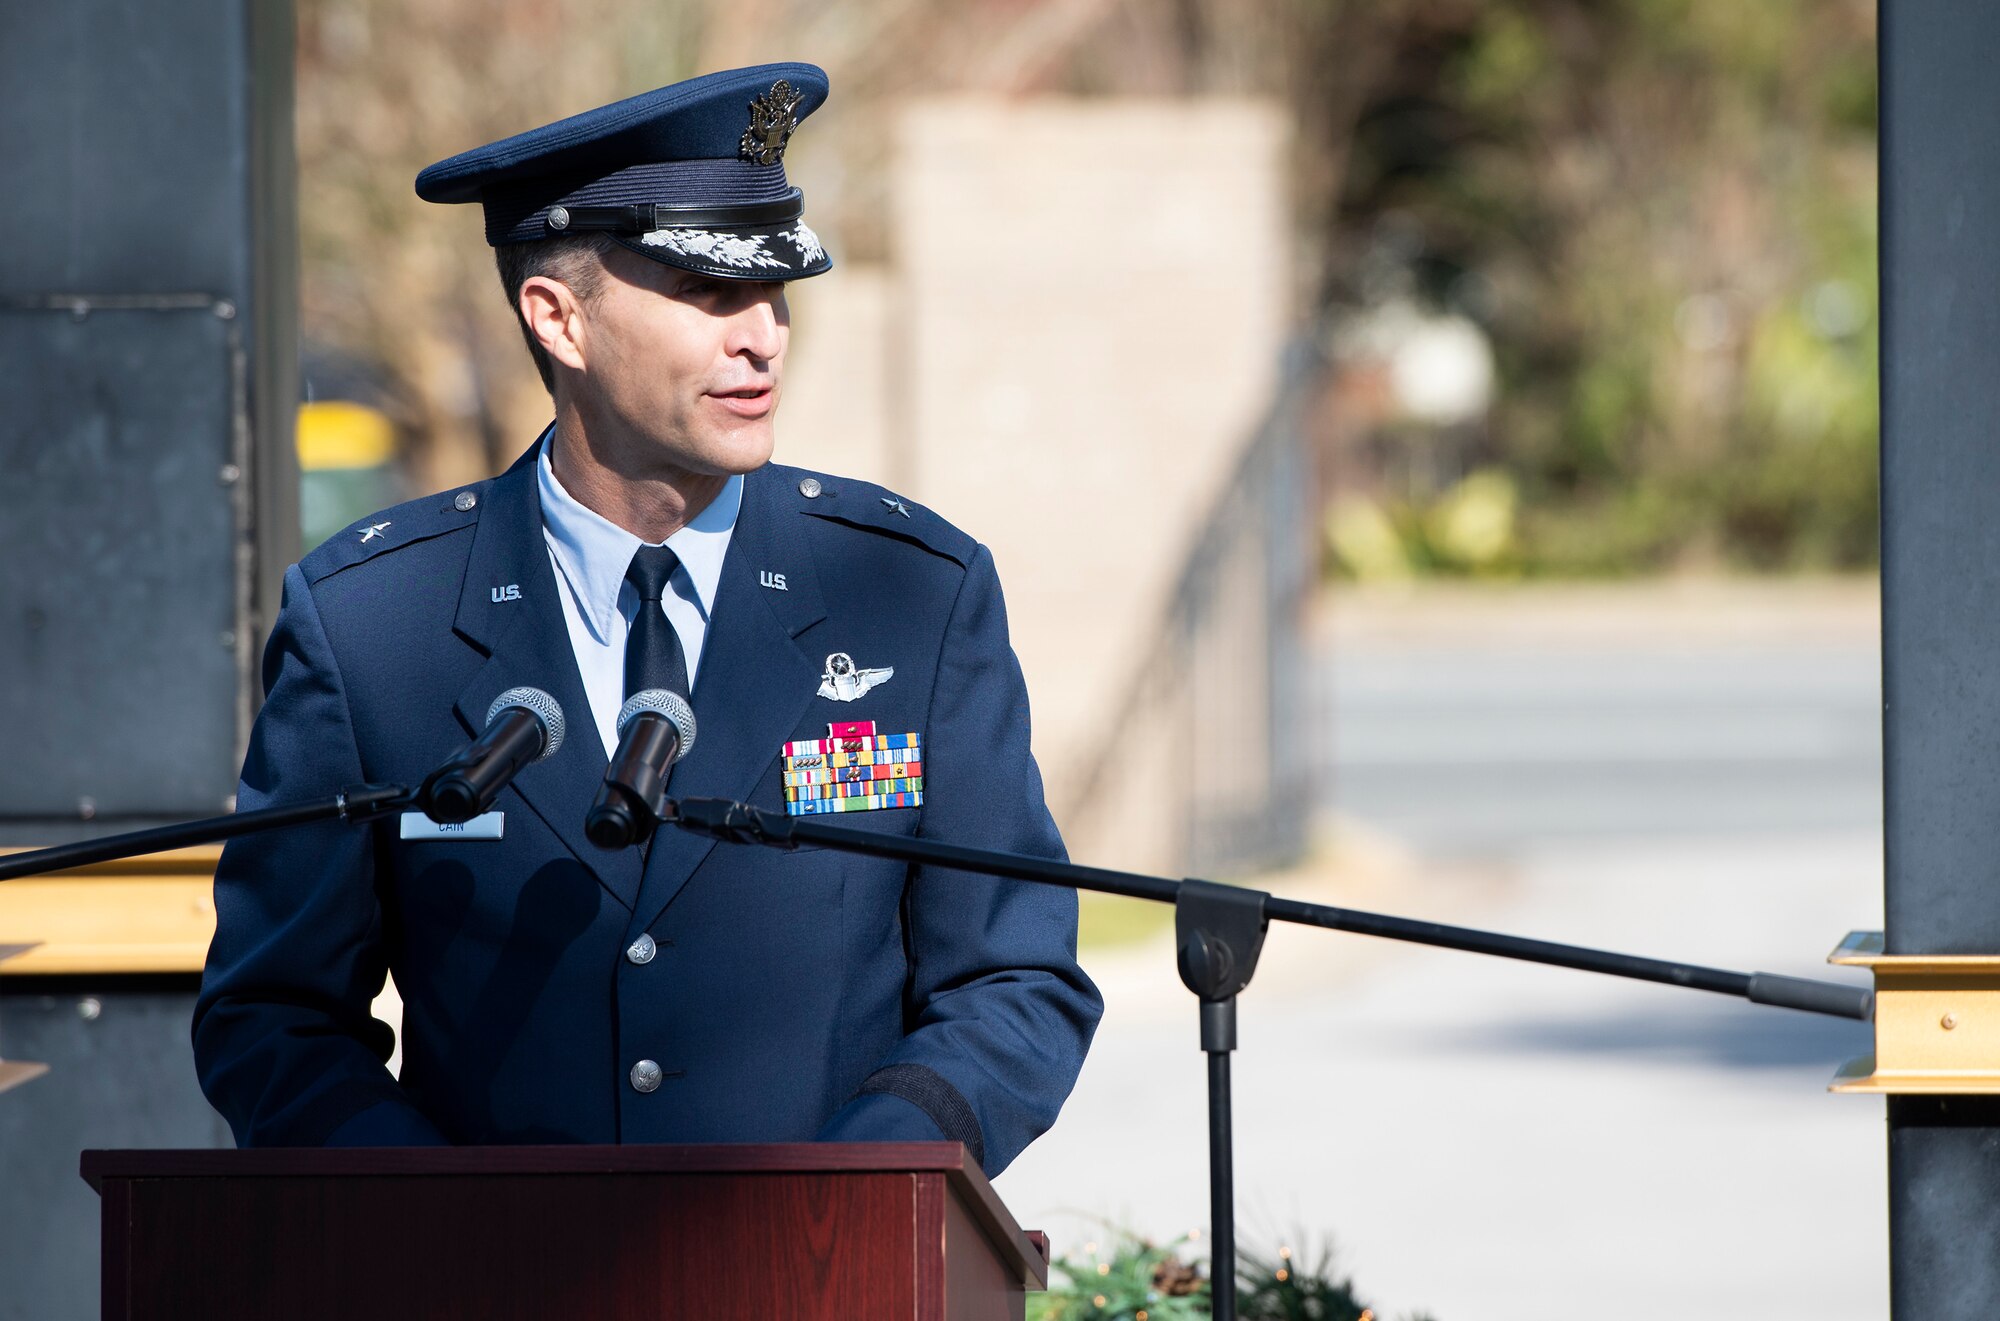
(692, 175)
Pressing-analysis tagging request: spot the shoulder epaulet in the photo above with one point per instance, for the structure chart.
(872, 508)
(394, 528)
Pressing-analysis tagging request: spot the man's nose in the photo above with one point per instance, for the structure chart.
(758, 329)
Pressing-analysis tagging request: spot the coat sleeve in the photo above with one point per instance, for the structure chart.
(283, 1040)
(1002, 1012)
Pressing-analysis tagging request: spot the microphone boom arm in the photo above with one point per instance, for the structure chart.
(357, 804)
(745, 824)
(1219, 931)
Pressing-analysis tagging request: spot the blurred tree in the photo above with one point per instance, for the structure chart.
(385, 87)
(1662, 211)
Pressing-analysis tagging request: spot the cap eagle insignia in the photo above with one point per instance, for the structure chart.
(772, 118)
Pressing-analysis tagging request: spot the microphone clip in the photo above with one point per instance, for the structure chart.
(737, 823)
(361, 803)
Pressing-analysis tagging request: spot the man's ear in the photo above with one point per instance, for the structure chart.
(554, 316)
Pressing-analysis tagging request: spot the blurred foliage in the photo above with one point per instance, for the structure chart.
(384, 88)
(1136, 1280)
(1663, 214)
(1133, 1279)
(1109, 921)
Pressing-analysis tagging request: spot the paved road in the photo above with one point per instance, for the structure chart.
(1503, 751)
(1490, 1140)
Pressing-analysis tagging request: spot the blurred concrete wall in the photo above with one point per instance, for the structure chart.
(1078, 332)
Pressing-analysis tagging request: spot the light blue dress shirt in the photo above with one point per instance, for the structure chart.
(591, 554)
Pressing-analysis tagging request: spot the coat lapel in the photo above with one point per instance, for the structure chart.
(753, 684)
(527, 641)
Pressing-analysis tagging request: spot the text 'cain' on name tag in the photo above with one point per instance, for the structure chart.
(418, 826)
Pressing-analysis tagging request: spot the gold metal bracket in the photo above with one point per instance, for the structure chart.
(1937, 1021)
(15, 1072)
(149, 914)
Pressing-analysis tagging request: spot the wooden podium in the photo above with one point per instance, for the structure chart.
(810, 1230)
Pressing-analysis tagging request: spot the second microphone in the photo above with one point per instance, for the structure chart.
(655, 729)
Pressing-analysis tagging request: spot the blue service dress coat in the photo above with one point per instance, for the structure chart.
(788, 996)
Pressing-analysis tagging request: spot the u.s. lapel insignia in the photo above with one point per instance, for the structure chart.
(843, 682)
(853, 769)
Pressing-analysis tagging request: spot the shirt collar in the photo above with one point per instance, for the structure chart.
(594, 553)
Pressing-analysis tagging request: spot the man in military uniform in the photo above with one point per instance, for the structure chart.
(692, 991)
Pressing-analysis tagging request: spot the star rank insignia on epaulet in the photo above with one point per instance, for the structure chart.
(854, 769)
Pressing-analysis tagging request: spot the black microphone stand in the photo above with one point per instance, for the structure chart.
(1219, 931)
(356, 804)
(457, 791)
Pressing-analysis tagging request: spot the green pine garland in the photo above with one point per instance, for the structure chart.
(1137, 1280)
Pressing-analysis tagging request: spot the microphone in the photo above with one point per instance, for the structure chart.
(655, 729)
(523, 725)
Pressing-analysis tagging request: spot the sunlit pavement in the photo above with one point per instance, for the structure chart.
(1690, 773)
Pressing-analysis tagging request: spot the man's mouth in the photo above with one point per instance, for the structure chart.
(751, 401)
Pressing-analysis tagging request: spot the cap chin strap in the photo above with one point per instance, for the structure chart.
(645, 217)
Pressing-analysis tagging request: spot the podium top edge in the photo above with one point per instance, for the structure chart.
(949, 1159)
(381, 1162)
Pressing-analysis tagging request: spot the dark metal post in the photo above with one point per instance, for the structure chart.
(1940, 210)
(1218, 1038)
(1219, 931)
(148, 506)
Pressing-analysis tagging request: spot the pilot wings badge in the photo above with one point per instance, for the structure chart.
(843, 683)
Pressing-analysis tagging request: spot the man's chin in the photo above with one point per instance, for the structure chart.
(741, 449)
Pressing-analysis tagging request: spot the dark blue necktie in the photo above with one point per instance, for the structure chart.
(653, 657)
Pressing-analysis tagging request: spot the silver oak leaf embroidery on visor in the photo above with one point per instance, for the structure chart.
(746, 250)
(805, 241)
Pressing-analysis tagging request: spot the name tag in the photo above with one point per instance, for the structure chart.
(418, 826)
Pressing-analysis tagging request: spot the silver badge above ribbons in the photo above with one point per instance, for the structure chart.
(842, 682)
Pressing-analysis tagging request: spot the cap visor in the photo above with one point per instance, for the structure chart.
(790, 251)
